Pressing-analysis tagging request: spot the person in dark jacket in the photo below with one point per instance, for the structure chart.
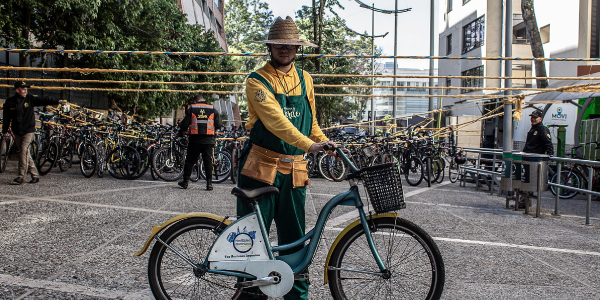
(18, 115)
(201, 122)
(538, 138)
(538, 141)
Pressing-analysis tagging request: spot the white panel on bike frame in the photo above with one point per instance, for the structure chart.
(262, 269)
(242, 240)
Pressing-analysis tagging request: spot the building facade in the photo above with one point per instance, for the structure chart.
(476, 28)
(407, 102)
(208, 13)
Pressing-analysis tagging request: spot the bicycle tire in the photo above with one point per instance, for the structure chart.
(144, 162)
(123, 162)
(337, 169)
(420, 277)
(195, 176)
(66, 156)
(453, 172)
(322, 167)
(221, 167)
(4, 151)
(574, 181)
(47, 157)
(101, 153)
(88, 160)
(168, 163)
(438, 171)
(234, 164)
(310, 163)
(172, 278)
(413, 171)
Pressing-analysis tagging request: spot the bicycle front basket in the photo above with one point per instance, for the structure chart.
(384, 187)
(369, 151)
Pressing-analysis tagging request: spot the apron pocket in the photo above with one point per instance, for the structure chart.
(260, 167)
(300, 174)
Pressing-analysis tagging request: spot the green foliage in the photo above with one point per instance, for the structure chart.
(337, 40)
(247, 21)
(146, 25)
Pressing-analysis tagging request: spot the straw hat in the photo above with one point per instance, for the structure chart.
(285, 33)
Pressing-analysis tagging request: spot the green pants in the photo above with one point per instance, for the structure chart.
(287, 209)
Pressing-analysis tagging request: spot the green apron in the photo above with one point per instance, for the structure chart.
(286, 208)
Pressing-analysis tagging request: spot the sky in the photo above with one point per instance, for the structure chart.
(413, 26)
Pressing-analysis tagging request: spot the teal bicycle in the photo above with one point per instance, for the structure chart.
(379, 256)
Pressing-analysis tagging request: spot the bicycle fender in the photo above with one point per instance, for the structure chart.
(157, 229)
(345, 231)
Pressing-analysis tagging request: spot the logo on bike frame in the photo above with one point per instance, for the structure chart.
(242, 241)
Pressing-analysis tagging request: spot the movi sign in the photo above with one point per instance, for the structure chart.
(559, 115)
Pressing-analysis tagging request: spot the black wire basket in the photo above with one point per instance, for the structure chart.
(384, 187)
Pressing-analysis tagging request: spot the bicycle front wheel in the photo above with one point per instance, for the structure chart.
(453, 171)
(172, 278)
(415, 265)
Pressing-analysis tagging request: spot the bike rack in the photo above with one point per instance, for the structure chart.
(589, 190)
(478, 170)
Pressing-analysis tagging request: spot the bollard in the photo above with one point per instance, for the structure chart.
(540, 183)
(558, 181)
(506, 179)
(589, 200)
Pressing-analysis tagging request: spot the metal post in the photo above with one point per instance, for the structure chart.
(558, 181)
(539, 189)
(507, 124)
(373, 71)
(431, 53)
(394, 106)
(429, 171)
(477, 173)
(589, 200)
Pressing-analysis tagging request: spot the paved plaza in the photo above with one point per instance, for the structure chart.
(70, 237)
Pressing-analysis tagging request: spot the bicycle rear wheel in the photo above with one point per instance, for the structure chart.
(415, 265)
(567, 178)
(413, 171)
(168, 163)
(4, 149)
(123, 162)
(221, 167)
(88, 160)
(172, 278)
(234, 164)
(453, 171)
(47, 157)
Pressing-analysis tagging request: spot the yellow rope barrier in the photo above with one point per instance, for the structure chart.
(96, 70)
(302, 55)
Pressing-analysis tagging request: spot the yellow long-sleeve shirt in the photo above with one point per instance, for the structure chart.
(269, 111)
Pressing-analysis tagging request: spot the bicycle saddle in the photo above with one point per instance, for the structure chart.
(253, 194)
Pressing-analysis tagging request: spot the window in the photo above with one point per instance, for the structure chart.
(472, 82)
(449, 5)
(473, 35)
(448, 83)
(449, 44)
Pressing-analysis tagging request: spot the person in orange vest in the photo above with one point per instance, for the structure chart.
(201, 122)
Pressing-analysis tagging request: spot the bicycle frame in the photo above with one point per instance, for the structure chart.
(299, 261)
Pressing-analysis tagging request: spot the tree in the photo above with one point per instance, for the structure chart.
(340, 41)
(153, 25)
(537, 48)
(246, 21)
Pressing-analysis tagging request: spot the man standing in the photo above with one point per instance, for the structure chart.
(283, 126)
(203, 120)
(538, 138)
(18, 114)
(538, 141)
